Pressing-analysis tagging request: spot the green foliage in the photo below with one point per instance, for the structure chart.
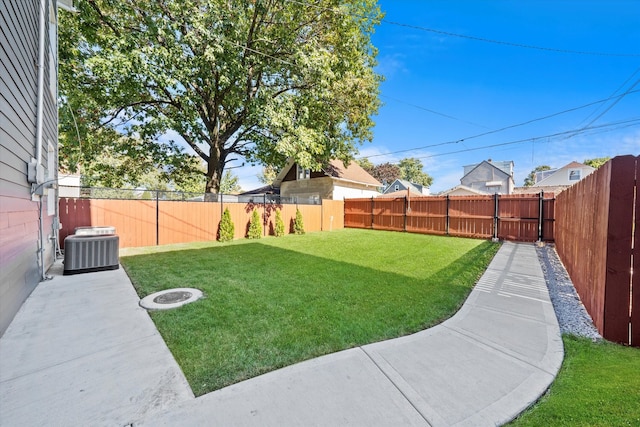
(411, 170)
(229, 184)
(386, 173)
(255, 226)
(279, 228)
(598, 385)
(227, 229)
(268, 175)
(365, 164)
(286, 300)
(298, 223)
(247, 78)
(596, 162)
(531, 178)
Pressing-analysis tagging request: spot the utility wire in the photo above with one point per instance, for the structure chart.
(608, 108)
(613, 94)
(431, 111)
(626, 123)
(506, 127)
(468, 37)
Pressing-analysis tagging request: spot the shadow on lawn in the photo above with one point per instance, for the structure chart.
(260, 314)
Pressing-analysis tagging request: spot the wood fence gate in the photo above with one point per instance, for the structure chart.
(519, 217)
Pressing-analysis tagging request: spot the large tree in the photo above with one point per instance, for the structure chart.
(596, 162)
(531, 178)
(411, 169)
(262, 79)
(386, 172)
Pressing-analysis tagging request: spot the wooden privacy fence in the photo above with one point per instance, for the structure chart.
(161, 222)
(597, 238)
(522, 217)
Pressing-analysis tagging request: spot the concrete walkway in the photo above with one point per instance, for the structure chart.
(82, 352)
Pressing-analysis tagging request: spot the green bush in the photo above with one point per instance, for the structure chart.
(255, 227)
(226, 229)
(279, 230)
(298, 224)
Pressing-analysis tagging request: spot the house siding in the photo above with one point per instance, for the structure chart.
(321, 187)
(478, 177)
(561, 176)
(19, 223)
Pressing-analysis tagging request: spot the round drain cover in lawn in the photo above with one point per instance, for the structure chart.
(170, 298)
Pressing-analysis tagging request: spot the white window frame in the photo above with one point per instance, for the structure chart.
(302, 173)
(397, 188)
(572, 172)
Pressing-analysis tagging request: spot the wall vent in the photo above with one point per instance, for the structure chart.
(83, 254)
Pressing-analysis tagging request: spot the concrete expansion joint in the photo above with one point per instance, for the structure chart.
(400, 389)
(497, 348)
(510, 314)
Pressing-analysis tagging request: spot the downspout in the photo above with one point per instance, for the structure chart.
(39, 124)
(40, 102)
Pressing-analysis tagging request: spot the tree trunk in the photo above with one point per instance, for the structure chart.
(215, 168)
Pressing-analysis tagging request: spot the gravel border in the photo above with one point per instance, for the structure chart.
(570, 312)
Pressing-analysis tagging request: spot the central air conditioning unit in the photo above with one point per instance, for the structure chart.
(91, 249)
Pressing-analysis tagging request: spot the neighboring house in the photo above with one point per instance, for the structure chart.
(335, 181)
(566, 175)
(489, 177)
(28, 147)
(402, 193)
(403, 185)
(462, 190)
(557, 180)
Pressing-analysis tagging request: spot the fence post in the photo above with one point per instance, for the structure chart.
(372, 207)
(540, 219)
(157, 218)
(447, 217)
(405, 214)
(495, 217)
(264, 214)
(321, 215)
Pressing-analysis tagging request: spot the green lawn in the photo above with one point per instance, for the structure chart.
(277, 301)
(598, 385)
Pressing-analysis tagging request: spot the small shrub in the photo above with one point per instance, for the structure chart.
(227, 229)
(255, 227)
(298, 224)
(279, 231)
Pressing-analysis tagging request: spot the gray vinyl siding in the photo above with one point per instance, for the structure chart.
(19, 224)
(479, 176)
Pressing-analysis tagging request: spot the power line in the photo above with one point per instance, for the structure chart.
(431, 111)
(626, 123)
(474, 38)
(505, 128)
(613, 94)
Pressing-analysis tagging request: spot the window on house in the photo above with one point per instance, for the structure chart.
(303, 173)
(574, 174)
(397, 187)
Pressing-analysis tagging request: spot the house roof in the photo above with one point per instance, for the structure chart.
(471, 169)
(405, 184)
(336, 169)
(555, 189)
(354, 172)
(402, 193)
(267, 189)
(463, 188)
(572, 165)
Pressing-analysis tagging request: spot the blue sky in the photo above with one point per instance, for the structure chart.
(440, 88)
